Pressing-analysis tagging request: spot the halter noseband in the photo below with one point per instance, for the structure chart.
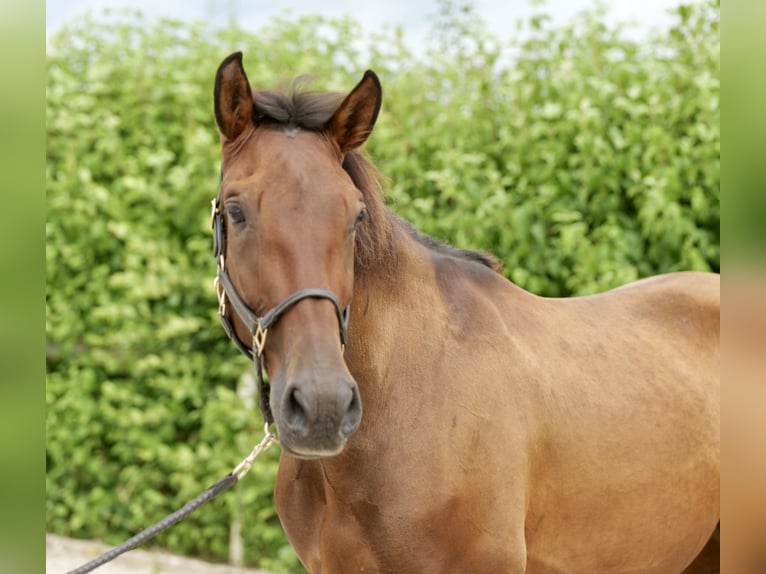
(258, 326)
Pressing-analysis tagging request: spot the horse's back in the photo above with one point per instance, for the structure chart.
(692, 292)
(676, 315)
(679, 311)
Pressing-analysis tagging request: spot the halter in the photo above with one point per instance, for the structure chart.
(258, 326)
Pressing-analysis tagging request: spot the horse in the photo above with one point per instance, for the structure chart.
(433, 416)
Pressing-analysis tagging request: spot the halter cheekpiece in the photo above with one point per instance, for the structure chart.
(257, 326)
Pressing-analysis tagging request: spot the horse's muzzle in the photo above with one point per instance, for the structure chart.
(315, 417)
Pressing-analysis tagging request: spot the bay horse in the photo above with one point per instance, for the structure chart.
(433, 416)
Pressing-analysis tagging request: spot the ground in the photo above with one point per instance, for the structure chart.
(65, 554)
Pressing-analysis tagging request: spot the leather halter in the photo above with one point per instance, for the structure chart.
(258, 326)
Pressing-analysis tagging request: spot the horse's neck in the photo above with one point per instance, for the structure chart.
(397, 318)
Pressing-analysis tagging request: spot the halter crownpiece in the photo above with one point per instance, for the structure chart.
(258, 326)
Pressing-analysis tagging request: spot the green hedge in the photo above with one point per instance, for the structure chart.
(581, 158)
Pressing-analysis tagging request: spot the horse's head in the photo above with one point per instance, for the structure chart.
(290, 213)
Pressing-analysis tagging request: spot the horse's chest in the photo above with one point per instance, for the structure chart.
(329, 534)
(339, 529)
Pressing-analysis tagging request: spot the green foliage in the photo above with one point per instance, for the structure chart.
(582, 159)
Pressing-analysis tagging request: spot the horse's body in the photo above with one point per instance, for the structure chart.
(519, 432)
(501, 431)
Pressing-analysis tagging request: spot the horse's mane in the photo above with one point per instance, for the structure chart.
(296, 108)
(444, 248)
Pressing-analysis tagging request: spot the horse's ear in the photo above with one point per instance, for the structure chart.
(233, 98)
(353, 121)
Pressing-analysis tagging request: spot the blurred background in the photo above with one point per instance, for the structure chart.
(413, 18)
(579, 142)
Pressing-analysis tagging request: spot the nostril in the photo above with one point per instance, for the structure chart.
(353, 414)
(295, 412)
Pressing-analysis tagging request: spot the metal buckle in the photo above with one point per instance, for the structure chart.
(213, 212)
(259, 339)
(221, 292)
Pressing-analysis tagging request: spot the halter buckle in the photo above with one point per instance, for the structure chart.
(259, 339)
(213, 212)
(221, 292)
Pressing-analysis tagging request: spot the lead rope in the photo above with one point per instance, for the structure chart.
(222, 485)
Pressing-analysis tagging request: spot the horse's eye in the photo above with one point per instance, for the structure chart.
(236, 215)
(361, 217)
